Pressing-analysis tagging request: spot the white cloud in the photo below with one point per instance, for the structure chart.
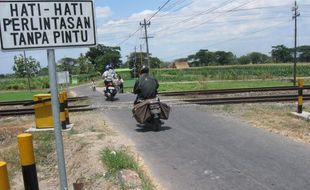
(102, 12)
(183, 30)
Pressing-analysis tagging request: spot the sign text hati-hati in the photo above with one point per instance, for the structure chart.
(29, 23)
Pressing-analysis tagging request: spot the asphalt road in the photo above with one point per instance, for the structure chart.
(199, 149)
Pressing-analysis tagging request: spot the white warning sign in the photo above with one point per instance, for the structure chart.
(44, 24)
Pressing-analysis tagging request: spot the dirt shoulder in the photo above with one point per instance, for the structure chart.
(273, 117)
(83, 146)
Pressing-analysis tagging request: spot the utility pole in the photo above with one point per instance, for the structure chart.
(27, 70)
(145, 24)
(295, 15)
(135, 63)
(141, 56)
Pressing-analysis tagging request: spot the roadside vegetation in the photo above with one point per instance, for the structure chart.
(117, 160)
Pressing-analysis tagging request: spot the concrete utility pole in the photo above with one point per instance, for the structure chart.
(141, 56)
(135, 63)
(145, 24)
(295, 15)
(27, 70)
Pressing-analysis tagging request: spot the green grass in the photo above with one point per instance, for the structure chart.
(164, 87)
(204, 85)
(11, 157)
(19, 95)
(117, 160)
(44, 148)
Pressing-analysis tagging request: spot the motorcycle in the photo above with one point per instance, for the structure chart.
(93, 87)
(148, 112)
(155, 111)
(110, 90)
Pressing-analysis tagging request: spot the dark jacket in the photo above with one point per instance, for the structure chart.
(146, 87)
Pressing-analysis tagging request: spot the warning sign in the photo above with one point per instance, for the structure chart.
(44, 24)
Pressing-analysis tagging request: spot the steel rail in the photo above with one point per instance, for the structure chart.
(244, 98)
(31, 109)
(31, 102)
(30, 112)
(239, 100)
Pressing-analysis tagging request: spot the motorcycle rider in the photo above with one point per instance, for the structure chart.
(109, 74)
(146, 86)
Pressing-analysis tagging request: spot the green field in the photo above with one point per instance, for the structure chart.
(203, 85)
(210, 77)
(19, 95)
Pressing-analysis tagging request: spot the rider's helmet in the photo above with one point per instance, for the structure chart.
(108, 67)
(144, 69)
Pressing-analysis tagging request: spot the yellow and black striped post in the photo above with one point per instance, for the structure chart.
(4, 179)
(301, 83)
(27, 160)
(62, 111)
(66, 107)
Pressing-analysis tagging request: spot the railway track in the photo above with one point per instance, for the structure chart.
(31, 102)
(232, 91)
(17, 112)
(29, 111)
(250, 99)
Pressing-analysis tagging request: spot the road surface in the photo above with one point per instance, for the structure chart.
(199, 149)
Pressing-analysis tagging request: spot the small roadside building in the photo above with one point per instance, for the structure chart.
(180, 65)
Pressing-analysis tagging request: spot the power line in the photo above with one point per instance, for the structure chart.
(232, 39)
(237, 10)
(131, 35)
(159, 9)
(178, 8)
(198, 25)
(196, 15)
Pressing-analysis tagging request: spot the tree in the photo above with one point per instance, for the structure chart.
(224, 58)
(21, 69)
(281, 54)
(136, 59)
(155, 62)
(43, 71)
(84, 65)
(258, 58)
(67, 64)
(101, 55)
(245, 59)
(304, 53)
(202, 58)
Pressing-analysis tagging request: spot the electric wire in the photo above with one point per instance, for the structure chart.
(231, 39)
(213, 18)
(139, 28)
(210, 10)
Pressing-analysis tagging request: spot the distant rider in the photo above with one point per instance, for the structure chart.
(108, 75)
(146, 86)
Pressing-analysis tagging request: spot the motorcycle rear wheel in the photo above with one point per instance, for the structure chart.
(156, 124)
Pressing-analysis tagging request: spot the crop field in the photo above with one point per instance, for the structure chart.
(196, 78)
(236, 72)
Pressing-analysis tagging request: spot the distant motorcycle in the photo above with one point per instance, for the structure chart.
(110, 90)
(93, 87)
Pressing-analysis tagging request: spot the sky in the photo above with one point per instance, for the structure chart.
(183, 27)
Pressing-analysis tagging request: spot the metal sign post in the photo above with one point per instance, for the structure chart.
(56, 118)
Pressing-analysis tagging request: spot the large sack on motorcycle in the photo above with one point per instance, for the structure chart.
(141, 112)
(165, 110)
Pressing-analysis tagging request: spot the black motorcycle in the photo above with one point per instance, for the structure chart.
(148, 112)
(110, 90)
(155, 111)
